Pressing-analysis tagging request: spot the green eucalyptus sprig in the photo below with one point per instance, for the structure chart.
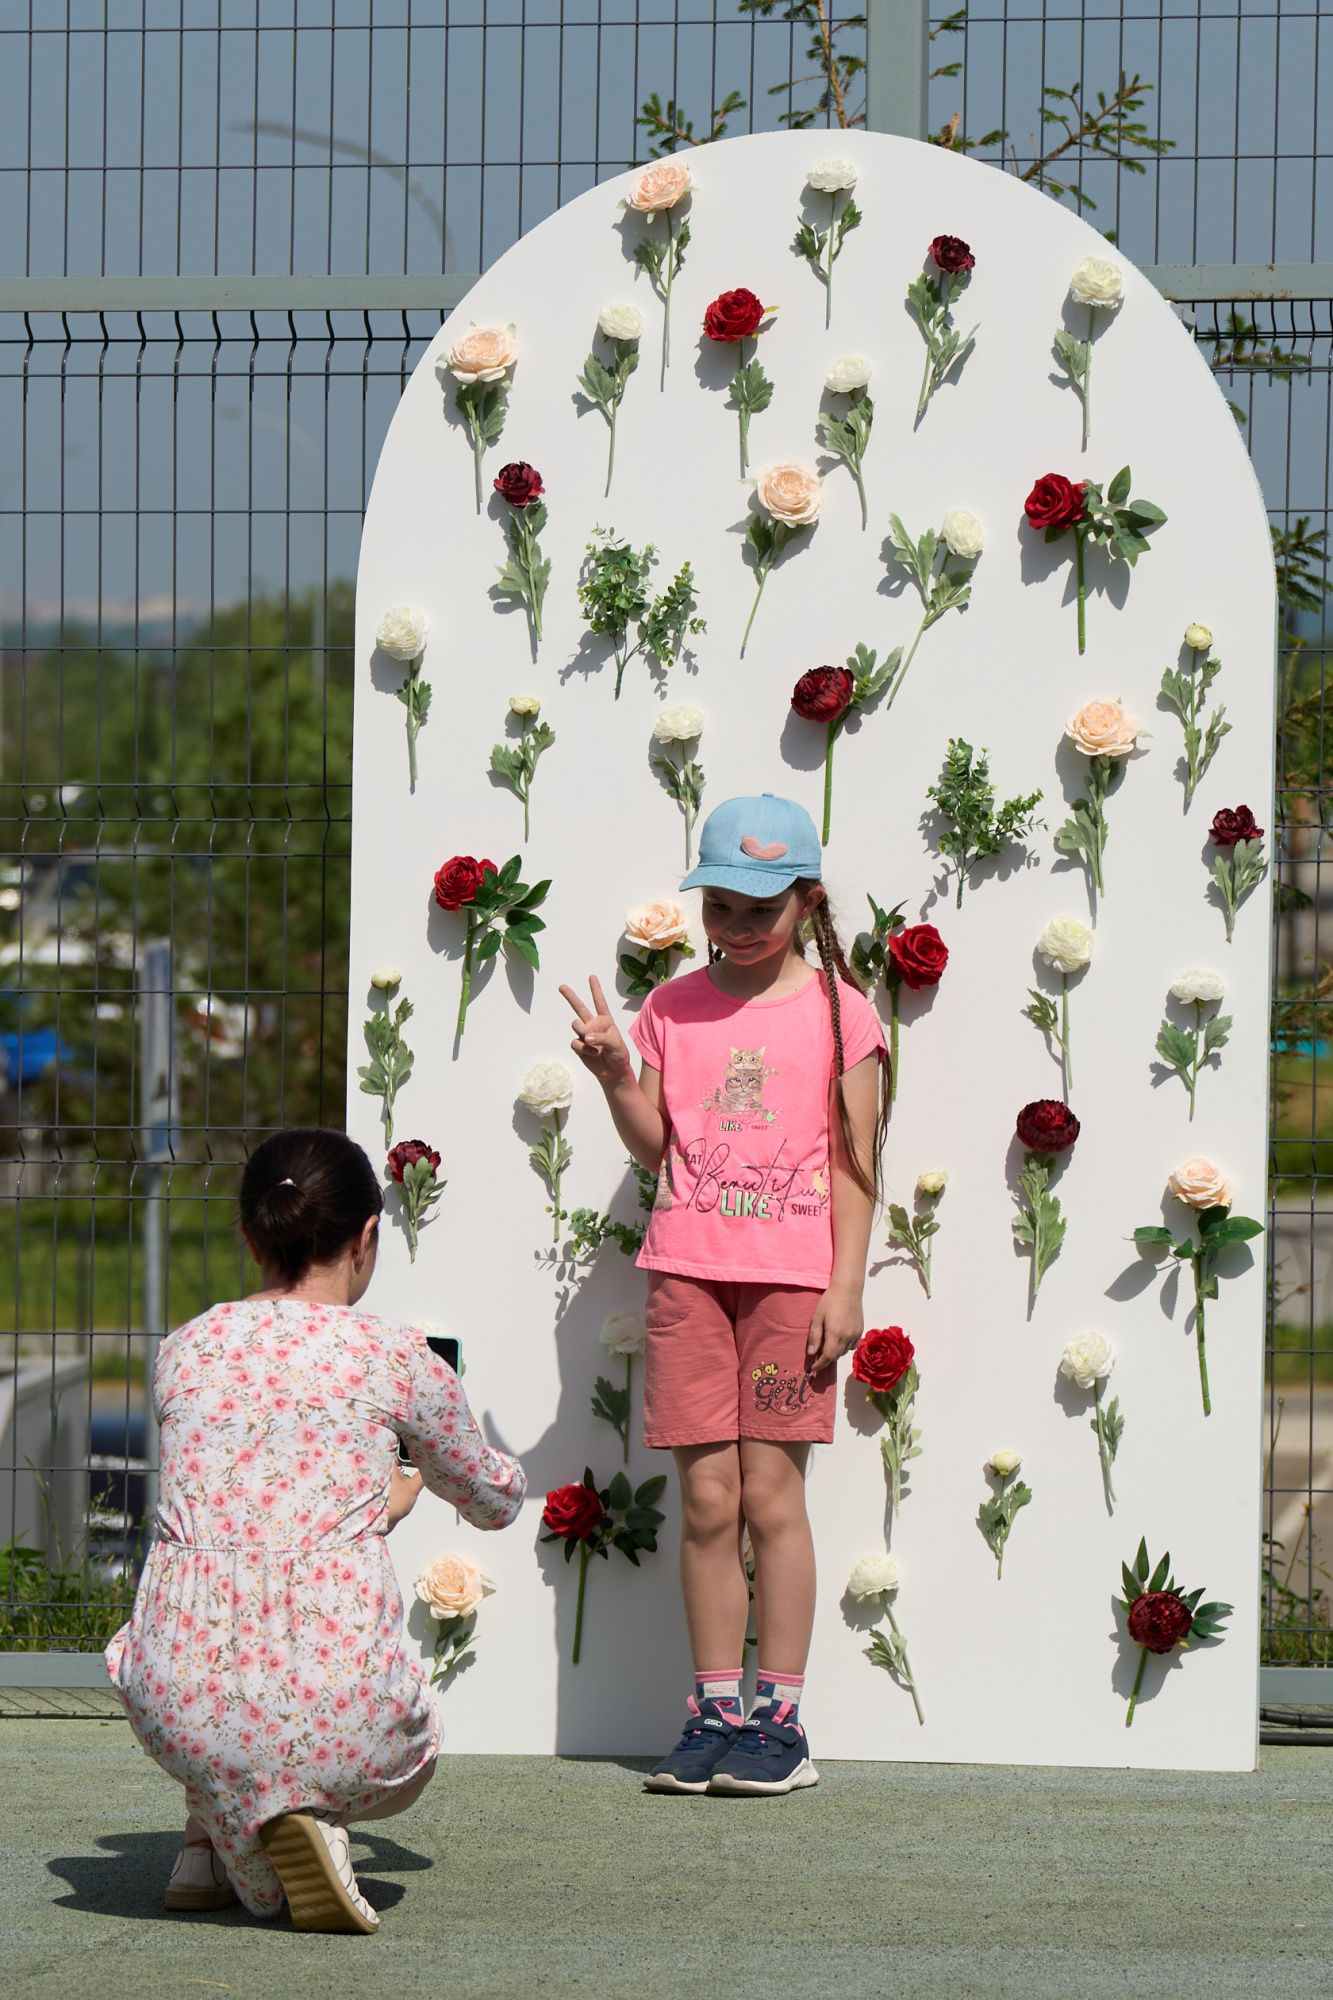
(975, 827)
(1160, 1616)
(1186, 1050)
(943, 586)
(621, 328)
(913, 1233)
(590, 1230)
(822, 248)
(1208, 1192)
(615, 593)
(390, 1062)
(517, 762)
(995, 1517)
(931, 298)
(1186, 691)
(848, 435)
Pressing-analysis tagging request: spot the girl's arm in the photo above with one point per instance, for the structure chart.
(635, 1104)
(838, 1321)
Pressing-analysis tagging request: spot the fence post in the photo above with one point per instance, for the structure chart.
(897, 59)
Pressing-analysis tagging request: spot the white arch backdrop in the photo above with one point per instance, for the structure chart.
(1033, 1668)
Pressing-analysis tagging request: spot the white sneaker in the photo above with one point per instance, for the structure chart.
(199, 1881)
(309, 1852)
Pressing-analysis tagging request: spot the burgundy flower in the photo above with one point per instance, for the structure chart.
(883, 1356)
(824, 694)
(918, 954)
(950, 253)
(734, 315)
(1055, 502)
(408, 1153)
(1159, 1620)
(573, 1512)
(458, 881)
(1230, 826)
(1047, 1126)
(519, 483)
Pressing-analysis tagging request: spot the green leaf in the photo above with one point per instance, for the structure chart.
(522, 943)
(1153, 1234)
(1118, 491)
(621, 1493)
(651, 1491)
(488, 947)
(1160, 1574)
(1141, 1561)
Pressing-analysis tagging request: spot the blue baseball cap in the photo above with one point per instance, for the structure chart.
(756, 847)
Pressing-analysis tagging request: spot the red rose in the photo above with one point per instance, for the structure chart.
(734, 315)
(1159, 1620)
(1228, 827)
(883, 1356)
(1055, 502)
(824, 694)
(918, 954)
(950, 253)
(1047, 1126)
(459, 880)
(407, 1153)
(519, 483)
(573, 1512)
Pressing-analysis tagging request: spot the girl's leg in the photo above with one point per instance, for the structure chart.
(773, 1500)
(712, 1573)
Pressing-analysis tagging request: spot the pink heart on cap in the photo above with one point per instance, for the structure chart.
(758, 852)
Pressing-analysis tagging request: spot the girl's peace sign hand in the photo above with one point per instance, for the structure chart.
(598, 1043)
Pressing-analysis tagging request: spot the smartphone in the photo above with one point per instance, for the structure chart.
(448, 1348)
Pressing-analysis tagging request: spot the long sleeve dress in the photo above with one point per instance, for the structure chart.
(263, 1662)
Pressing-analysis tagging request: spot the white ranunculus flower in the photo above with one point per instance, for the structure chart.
(624, 1333)
(1198, 638)
(932, 1183)
(1005, 1462)
(847, 375)
(402, 632)
(963, 535)
(524, 704)
(831, 176)
(680, 724)
(621, 322)
(873, 1576)
(1066, 944)
(1098, 282)
(547, 1087)
(1198, 984)
(1201, 1183)
(1088, 1358)
(385, 978)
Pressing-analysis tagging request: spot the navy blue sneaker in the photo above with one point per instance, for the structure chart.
(768, 1755)
(705, 1740)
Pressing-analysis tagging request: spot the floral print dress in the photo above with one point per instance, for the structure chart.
(263, 1663)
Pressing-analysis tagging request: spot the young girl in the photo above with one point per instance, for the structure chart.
(760, 1104)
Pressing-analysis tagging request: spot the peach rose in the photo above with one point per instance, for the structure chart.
(656, 925)
(451, 1587)
(1102, 729)
(483, 354)
(1201, 1183)
(660, 186)
(790, 493)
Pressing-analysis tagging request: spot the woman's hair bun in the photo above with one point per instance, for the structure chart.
(305, 1195)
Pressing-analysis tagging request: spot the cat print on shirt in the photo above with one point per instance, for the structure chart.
(739, 1098)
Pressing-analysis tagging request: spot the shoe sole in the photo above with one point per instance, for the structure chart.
(315, 1896)
(665, 1782)
(219, 1898)
(804, 1775)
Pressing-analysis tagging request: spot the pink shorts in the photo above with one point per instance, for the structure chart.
(725, 1360)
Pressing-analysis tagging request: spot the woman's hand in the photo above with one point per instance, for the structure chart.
(598, 1042)
(837, 1325)
(405, 1489)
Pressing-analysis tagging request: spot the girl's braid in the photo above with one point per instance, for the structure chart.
(830, 953)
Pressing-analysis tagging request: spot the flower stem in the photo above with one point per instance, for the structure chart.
(1138, 1682)
(666, 299)
(893, 1059)
(906, 663)
(578, 1613)
(744, 409)
(478, 447)
(924, 396)
(1197, 1260)
(526, 788)
(467, 980)
(762, 575)
(1078, 570)
(1194, 1066)
(1087, 378)
(611, 447)
(861, 489)
(688, 811)
(555, 1182)
(629, 1386)
(828, 275)
(1102, 1447)
(1064, 1033)
(908, 1675)
(828, 780)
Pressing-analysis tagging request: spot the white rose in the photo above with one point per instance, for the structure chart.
(661, 185)
(624, 1333)
(451, 1587)
(1098, 282)
(1066, 944)
(831, 176)
(932, 1183)
(402, 632)
(656, 925)
(620, 322)
(1088, 1358)
(1197, 984)
(791, 493)
(847, 375)
(385, 978)
(679, 725)
(873, 1576)
(1201, 1183)
(1198, 638)
(1102, 729)
(482, 354)
(547, 1087)
(963, 535)
(1005, 1462)
(524, 704)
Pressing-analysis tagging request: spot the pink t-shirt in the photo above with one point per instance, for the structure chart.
(743, 1192)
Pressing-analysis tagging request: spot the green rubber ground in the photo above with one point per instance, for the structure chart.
(521, 1876)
